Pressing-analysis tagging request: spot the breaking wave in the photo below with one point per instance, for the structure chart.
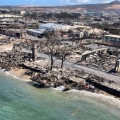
(105, 98)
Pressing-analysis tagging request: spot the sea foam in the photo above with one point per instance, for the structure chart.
(9, 74)
(61, 88)
(105, 98)
(109, 99)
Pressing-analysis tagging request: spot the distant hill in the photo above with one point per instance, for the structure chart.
(115, 5)
(114, 2)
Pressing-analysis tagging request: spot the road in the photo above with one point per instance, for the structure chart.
(74, 66)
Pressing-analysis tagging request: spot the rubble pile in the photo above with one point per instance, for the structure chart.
(104, 84)
(65, 77)
(12, 59)
(102, 61)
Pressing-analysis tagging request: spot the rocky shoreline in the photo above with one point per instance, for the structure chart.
(43, 77)
(68, 84)
(19, 75)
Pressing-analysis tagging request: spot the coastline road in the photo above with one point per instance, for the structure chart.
(74, 66)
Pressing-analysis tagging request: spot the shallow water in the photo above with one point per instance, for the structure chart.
(20, 101)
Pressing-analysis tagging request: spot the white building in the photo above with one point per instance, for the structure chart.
(22, 12)
(54, 27)
(47, 27)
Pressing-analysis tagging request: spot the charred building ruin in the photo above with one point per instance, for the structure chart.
(34, 52)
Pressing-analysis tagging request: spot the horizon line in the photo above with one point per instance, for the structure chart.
(29, 5)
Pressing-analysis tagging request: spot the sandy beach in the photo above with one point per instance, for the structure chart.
(20, 73)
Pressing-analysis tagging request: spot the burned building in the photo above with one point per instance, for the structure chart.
(34, 52)
(117, 66)
(13, 32)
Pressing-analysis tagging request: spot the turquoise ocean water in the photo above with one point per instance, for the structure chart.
(21, 101)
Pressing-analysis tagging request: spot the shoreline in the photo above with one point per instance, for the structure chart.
(105, 98)
(102, 96)
(16, 76)
(20, 74)
(111, 100)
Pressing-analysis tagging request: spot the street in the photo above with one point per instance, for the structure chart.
(74, 66)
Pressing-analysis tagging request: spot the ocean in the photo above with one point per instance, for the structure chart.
(21, 101)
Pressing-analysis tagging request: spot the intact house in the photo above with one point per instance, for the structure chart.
(111, 40)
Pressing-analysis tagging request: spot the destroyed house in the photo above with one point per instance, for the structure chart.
(13, 32)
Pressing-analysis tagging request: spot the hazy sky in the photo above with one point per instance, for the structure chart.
(50, 2)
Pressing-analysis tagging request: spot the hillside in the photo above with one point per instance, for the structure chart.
(115, 5)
